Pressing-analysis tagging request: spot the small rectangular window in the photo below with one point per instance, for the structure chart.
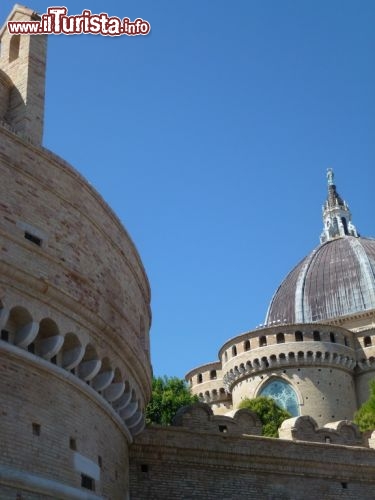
(72, 444)
(34, 239)
(223, 428)
(87, 482)
(144, 468)
(36, 429)
(100, 461)
(5, 335)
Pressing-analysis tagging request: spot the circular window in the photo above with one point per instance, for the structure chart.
(283, 394)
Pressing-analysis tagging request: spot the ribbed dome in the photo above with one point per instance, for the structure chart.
(335, 279)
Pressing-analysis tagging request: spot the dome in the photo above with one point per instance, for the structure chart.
(336, 279)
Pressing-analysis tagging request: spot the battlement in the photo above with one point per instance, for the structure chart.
(306, 429)
(199, 417)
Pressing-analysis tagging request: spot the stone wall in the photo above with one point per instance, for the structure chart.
(54, 428)
(198, 461)
(324, 392)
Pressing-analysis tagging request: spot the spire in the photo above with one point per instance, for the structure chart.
(337, 219)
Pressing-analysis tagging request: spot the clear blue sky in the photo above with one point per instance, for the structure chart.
(210, 139)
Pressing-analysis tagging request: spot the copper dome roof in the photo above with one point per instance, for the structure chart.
(335, 279)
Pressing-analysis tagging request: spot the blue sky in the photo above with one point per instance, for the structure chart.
(210, 138)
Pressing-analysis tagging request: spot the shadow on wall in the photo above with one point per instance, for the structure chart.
(12, 104)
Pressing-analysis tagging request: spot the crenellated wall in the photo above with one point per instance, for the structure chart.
(306, 429)
(200, 459)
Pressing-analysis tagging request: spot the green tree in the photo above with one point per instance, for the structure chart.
(168, 395)
(270, 414)
(365, 416)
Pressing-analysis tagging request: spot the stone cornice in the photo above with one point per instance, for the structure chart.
(136, 362)
(292, 354)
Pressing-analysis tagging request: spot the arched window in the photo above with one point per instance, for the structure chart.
(246, 345)
(367, 341)
(226, 356)
(280, 338)
(345, 225)
(14, 48)
(213, 374)
(199, 378)
(234, 350)
(262, 341)
(298, 336)
(316, 336)
(283, 394)
(332, 337)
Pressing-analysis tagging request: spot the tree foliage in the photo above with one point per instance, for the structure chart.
(365, 416)
(270, 414)
(168, 395)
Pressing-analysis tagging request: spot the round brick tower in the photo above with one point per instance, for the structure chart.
(74, 308)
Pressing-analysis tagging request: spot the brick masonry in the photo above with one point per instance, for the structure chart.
(174, 463)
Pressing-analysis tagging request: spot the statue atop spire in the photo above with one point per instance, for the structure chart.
(330, 176)
(337, 219)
